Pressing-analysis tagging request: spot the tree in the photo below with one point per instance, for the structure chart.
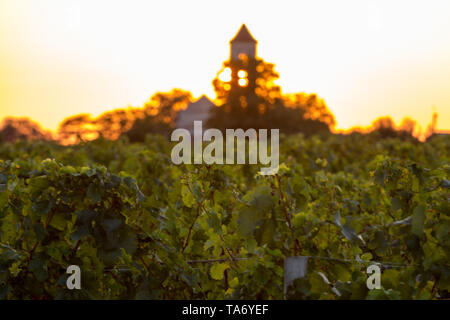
(159, 114)
(164, 106)
(385, 127)
(156, 116)
(112, 124)
(109, 125)
(76, 129)
(14, 129)
(408, 126)
(249, 98)
(246, 90)
(311, 106)
(306, 113)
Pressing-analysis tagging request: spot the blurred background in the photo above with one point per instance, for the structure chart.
(365, 59)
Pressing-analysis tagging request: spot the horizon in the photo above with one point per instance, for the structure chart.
(366, 60)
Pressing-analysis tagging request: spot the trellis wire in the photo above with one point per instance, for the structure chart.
(353, 261)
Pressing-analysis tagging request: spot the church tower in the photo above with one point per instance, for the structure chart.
(243, 43)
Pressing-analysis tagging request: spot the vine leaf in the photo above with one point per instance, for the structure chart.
(217, 270)
(346, 230)
(187, 197)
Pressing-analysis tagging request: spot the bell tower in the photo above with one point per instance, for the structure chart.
(243, 43)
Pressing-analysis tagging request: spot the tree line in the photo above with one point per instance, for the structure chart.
(247, 97)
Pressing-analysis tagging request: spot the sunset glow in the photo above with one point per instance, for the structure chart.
(242, 82)
(225, 75)
(242, 74)
(366, 59)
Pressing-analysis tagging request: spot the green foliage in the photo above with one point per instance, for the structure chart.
(140, 227)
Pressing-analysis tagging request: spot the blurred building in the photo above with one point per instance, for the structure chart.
(196, 111)
(243, 43)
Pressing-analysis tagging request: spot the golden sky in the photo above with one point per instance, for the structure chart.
(365, 58)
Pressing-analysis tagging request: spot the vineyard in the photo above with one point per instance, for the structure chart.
(140, 227)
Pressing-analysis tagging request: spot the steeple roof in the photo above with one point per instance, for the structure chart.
(243, 35)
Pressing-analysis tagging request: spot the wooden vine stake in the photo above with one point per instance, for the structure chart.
(294, 268)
